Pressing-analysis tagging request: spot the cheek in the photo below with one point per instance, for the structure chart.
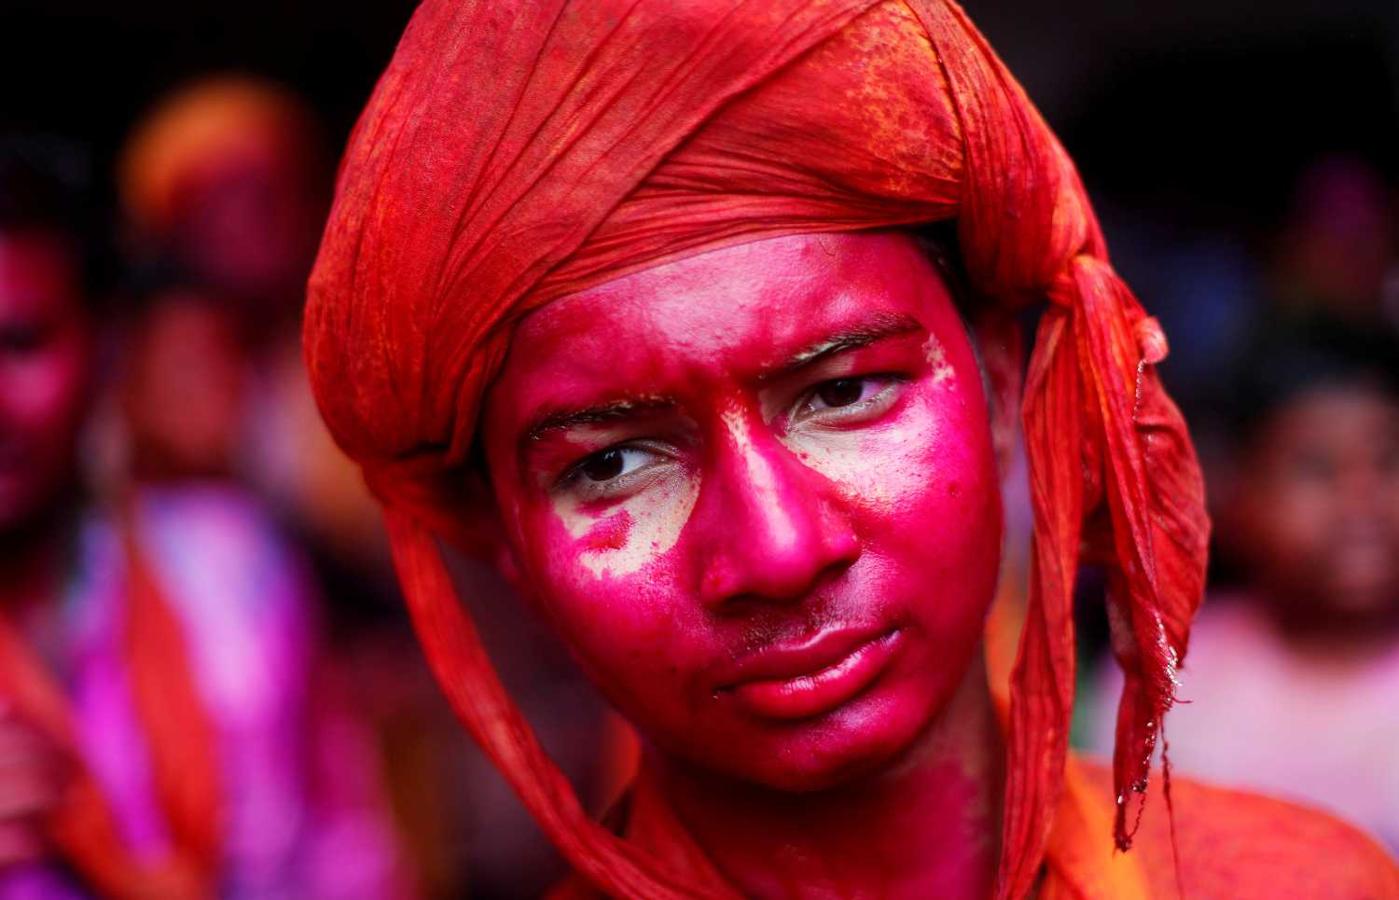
(929, 469)
(44, 394)
(945, 529)
(624, 539)
(924, 496)
(613, 583)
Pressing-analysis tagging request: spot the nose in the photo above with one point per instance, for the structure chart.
(771, 527)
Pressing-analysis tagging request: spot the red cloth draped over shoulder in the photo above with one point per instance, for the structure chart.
(513, 153)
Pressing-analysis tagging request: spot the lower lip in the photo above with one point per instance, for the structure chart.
(820, 692)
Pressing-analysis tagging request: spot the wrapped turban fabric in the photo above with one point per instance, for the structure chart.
(515, 153)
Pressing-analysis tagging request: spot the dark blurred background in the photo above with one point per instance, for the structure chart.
(1193, 123)
(1210, 107)
(1243, 157)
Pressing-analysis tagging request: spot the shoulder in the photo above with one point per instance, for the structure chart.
(240, 589)
(1243, 845)
(207, 519)
(215, 544)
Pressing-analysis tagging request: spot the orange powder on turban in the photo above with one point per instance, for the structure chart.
(515, 153)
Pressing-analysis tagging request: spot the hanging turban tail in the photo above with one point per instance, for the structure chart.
(515, 153)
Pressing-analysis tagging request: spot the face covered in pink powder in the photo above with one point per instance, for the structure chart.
(756, 493)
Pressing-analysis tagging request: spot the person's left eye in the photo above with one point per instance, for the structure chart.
(613, 463)
(613, 472)
(847, 400)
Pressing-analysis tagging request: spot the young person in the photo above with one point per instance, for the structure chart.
(1302, 651)
(156, 651)
(610, 295)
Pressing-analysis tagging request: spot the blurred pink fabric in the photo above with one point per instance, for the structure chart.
(306, 818)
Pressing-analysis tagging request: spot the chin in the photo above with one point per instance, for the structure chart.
(859, 740)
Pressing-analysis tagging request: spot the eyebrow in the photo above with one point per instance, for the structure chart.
(594, 415)
(881, 327)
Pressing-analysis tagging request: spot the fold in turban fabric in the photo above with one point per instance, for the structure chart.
(515, 153)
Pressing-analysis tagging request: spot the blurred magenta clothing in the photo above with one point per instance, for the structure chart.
(1256, 714)
(304, 817)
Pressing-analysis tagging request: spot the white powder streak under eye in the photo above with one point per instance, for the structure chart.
(657, 516)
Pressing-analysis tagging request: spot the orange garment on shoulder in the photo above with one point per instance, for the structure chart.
(1202, 842)
(1236, 845)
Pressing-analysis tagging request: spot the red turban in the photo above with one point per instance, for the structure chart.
(514, 153)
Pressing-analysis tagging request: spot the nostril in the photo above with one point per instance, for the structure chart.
(846, 555)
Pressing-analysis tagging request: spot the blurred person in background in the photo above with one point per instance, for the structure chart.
(224, 184)
(1303, 653)
(157, 654)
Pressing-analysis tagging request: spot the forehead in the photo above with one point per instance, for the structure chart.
(729, 313)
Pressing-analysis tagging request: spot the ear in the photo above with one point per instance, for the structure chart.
(999, 340)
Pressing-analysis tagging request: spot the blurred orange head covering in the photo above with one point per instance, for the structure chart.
(515, 153)
(203, 129)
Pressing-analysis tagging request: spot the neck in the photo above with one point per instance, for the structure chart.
(927, 825)
(1342, 645)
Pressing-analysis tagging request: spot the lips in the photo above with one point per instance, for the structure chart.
(798, 681)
